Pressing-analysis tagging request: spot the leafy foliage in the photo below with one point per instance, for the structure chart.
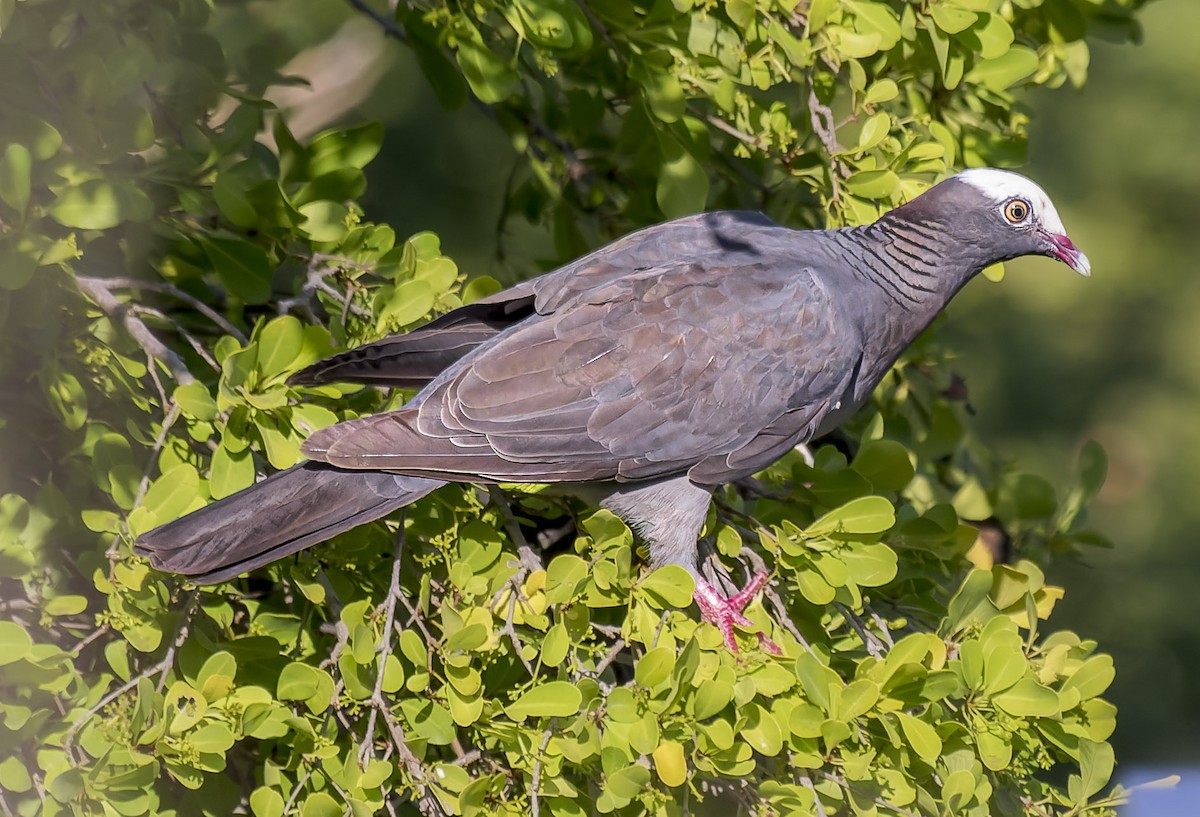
(162, 271)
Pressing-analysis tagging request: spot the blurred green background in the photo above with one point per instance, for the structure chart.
(1051, 360)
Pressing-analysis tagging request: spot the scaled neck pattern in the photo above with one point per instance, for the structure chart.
(910, 261)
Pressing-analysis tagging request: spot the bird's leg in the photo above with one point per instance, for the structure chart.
(725, 612)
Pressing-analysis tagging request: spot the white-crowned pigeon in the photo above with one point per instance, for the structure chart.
(644, 375)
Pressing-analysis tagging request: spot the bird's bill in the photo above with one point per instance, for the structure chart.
(1060, 247)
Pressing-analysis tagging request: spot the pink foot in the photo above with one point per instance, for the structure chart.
(726, 612)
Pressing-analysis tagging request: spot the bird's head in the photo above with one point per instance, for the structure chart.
(1019, 218)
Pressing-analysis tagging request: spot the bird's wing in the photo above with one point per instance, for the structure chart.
(672, 367)
(413, 359)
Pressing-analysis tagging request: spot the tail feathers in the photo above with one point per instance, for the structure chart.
(274, 518)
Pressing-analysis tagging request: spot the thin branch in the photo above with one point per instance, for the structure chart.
(339, 627)
(78, 648)
(529, 560)
(69, 740)
(181, 633)
(534, 805)
(159, 442)
(605, 662)
(177, 293)
(784, 619)
(97, 290)
(874, 646)
(426, 803)
(163, 666)
(807, 781)
(883, 627)
(509, 630)
(748, 139)
(296, 790)
(390, 27)
(845, 784)
(196, 345)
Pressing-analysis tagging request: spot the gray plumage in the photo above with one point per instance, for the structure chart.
(646, 373)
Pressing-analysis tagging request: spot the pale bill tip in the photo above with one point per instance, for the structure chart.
(1082, 265)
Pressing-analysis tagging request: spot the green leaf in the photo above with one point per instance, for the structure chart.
(814, 587)
(172, 493)
(555, 645)
(1028, 699)
(100, 204)
(491, 78)
(320, 804)
(664, 94)
(480, 287)
(873, 184)
(880, 91)
(682, 181)
(1096, 763)
(921, 736)
(952, 19)
(711, 697)
(65, 605)
(244, 267)
(266, 802)
(430, 721)
(230, 472)
(15, 643)
(995, 36)
(279, 345)
(410, 301)
(670, 764)
(376, 774)
(994, 751)
(857, 699)
(69, 399)
(184, 706)
(332, 150)
(1006, 71)
(817, 680)
(867, 514)
(970, 597)
(298, 682)
(885, 464)
(870, 565)
(195, 401)
(762, 731)
(15, 168)
(552, 699)
(1091, 679)
(230, 192)
(629, 782)
(874, 131)
(668, 586)
(212, 737)
(655, 667)
(324, 221)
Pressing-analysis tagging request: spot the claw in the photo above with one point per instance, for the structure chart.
(726, 612)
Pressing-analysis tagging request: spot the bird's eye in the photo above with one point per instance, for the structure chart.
(1017, 211)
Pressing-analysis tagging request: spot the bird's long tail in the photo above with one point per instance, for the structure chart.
(284, 513)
